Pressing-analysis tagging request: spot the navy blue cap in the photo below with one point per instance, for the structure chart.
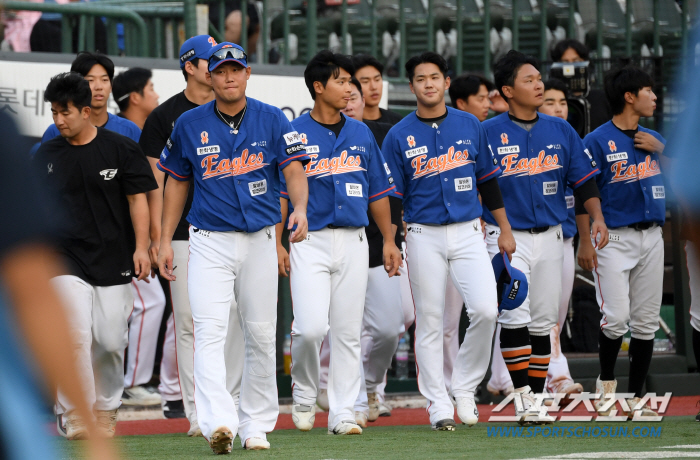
(198, 46)
(226, 52)
(511, 282)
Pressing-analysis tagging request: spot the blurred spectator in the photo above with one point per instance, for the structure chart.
(18, 28)
(232, 23)
(46, 34)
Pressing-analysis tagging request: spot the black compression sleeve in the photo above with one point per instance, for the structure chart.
(491, 194)
(588, 190)
(395, 205)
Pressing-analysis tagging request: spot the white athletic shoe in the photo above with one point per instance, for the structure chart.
(194, 430)
(303, 416)
(106, 422)
(466, 410)
(373, 403)
(640, 410)
(75, 428)
(568, 388)
(528, 411)
(384, 410)
(140, 396)
(256, 444)
(221, 440)
(322, 399)
(499, 392)
(346, 427)
(361, 419)
(606, 389)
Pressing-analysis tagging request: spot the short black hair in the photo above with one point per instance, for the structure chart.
(195, 62)
(85, 60)
(428, 57)
(561, 47)
(467, 85)
(506, 69)
(557, 85)
(68, 87)
(133, 80)
(357, 84)
(364, 60)
(628, 79)
(323, 66)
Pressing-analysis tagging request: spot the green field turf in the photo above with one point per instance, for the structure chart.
(404, 442)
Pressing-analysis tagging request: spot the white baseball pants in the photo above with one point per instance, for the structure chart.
(435, 252)
(224, 266)
(558, 366)
(691, 253)
(540, 257)
(328, 280)
(144, 326)
(453, 313)
(97, 319)
(629, 282)
(184, 337)
(169, 386)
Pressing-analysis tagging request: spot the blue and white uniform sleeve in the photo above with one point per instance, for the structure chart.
(51, 132)
(290, 147)
(379, 173)
(173, 161)
(594, 150)
(582, 166)
(486, 163)
(392, 155)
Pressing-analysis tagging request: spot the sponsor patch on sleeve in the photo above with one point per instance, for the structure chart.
(169, 144)
(258, 187)
(292, 149)
(292, 138)
(311, 149)
(386, 168)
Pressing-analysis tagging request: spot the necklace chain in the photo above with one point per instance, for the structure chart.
(235, 128)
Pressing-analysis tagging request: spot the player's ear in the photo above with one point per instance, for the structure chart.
(318, 87)
(507, 91)
(208, 78)
(461, 104)
(629, 97)
(85, 112)
(447, 82)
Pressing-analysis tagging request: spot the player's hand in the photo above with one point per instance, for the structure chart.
(587, 257)
(153, 253)
(599, 231)
(392, 258)
(142, 265)
(282, 261)
(483, 226)
(298, 219)
(506, 243)
(165, 262)
(646, 141)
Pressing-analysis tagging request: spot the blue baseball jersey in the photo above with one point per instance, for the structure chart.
(537, 168)
(631, 187)
(437, 170)
(236, 176)
(114, 123)
(568, 227)
(345, 173)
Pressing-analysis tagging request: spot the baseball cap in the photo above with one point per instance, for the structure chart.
(198, 46)
(227, 52)
(511, 283)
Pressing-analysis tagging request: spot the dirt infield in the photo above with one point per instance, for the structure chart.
(679, 406)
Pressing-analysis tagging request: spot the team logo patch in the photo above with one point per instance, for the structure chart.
(208, 150)
(427, 167)
(612, 146)
(204, 136)
(303, 138)
(237, 166)
(212, 41)
(512, 166)
(504, 139)
(293, 138)
(108, 174)
(411, 141)
(50, 168)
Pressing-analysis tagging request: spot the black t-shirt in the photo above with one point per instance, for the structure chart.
(387, 116)
(374, 236)
(601, 112)
(92, 182)
(156, 131)
(335, 128)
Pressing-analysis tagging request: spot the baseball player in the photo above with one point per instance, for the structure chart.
(440, 156)
(329, 271)
(629, 273)
(368, 71)
(559, 379)
(101, 178)
(233, 147)
(539, 156)
(158, 127)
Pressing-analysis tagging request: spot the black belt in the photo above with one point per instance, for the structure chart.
(535, 230)
(335, 227)
(642, 225)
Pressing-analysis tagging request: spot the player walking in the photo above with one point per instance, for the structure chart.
(329, 270)
(629, 273)
(233, 147)
(539, 155)
(101, 178)
(440, 155)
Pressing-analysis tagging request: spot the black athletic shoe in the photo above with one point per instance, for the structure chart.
(446, 424)
(173, 409)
